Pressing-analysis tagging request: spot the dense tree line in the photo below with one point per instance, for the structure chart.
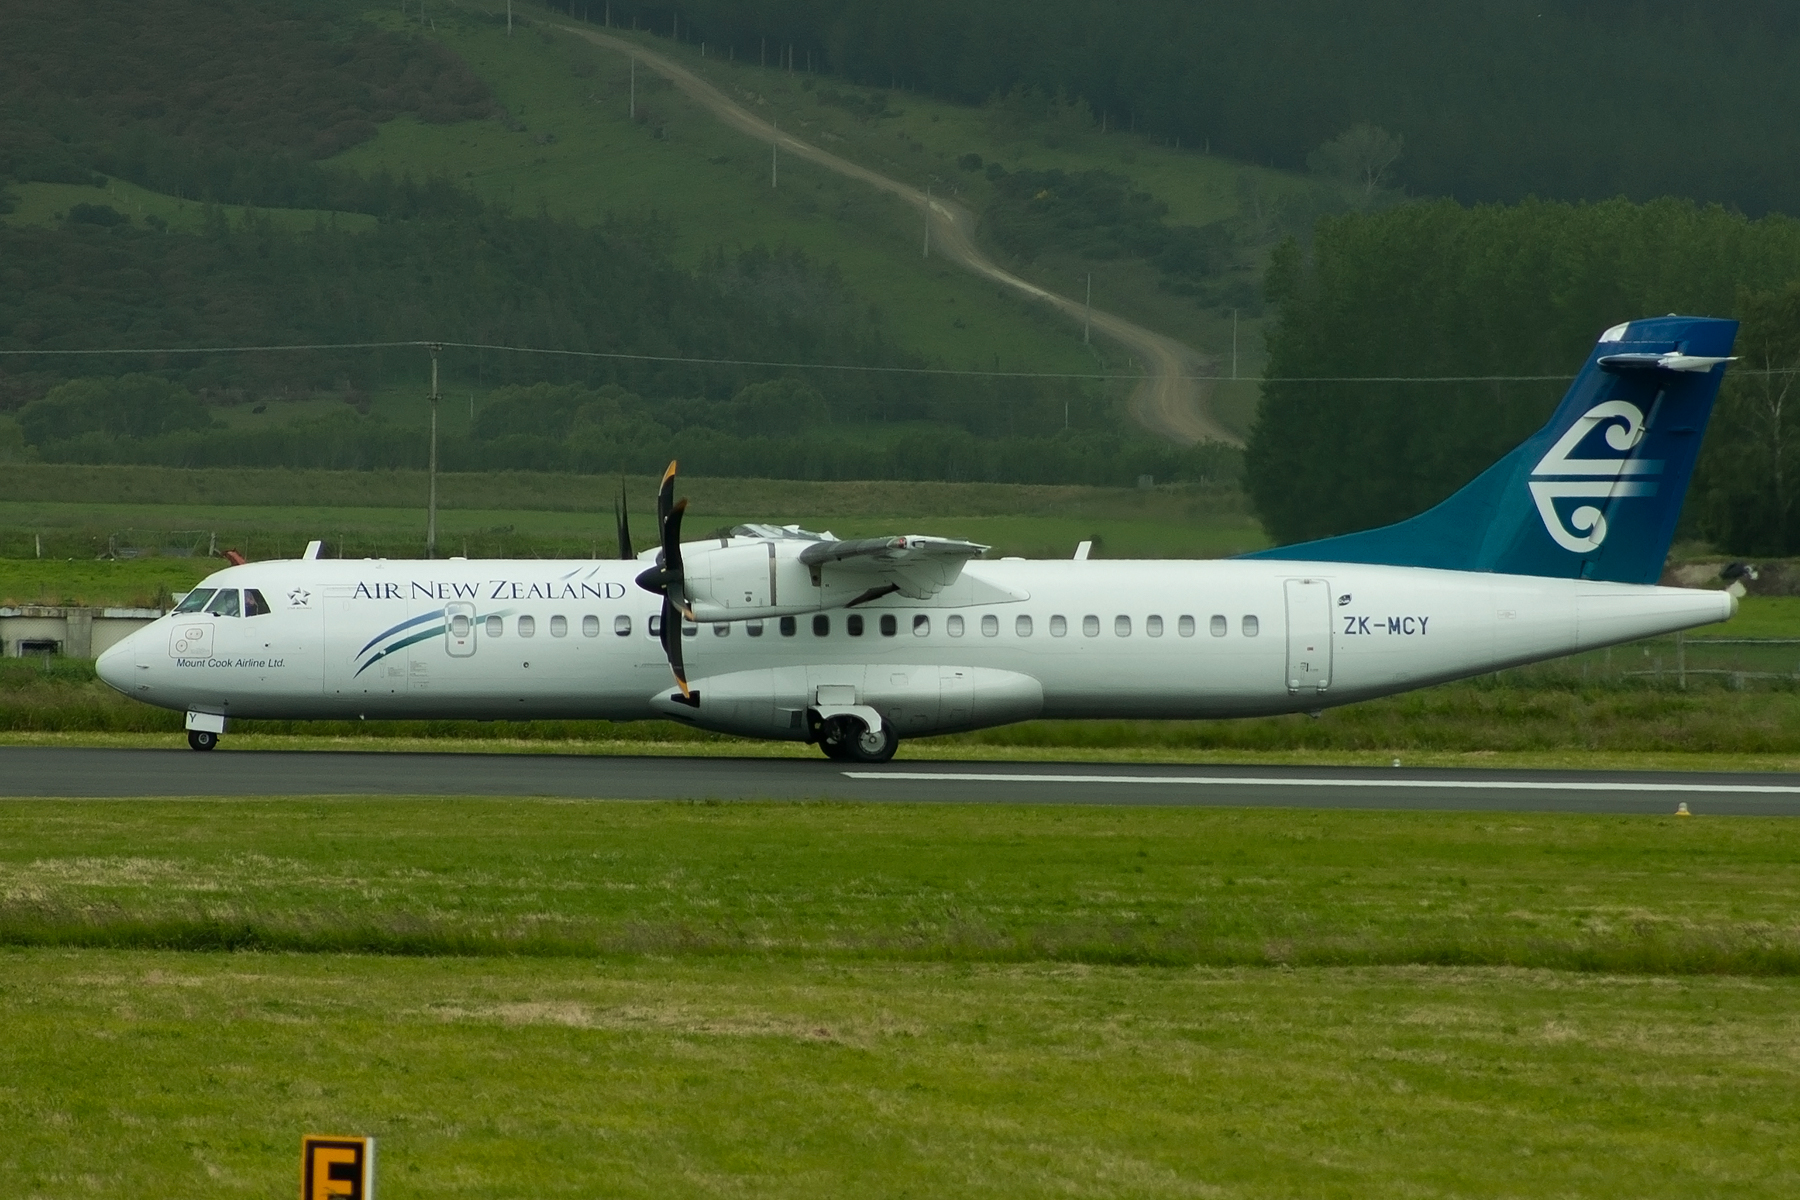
(1438, 290)
(498, 280)
(1570, 99)
(776, 429)
(222, 100)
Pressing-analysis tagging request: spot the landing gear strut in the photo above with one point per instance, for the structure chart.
(202, 739)
(846, 739)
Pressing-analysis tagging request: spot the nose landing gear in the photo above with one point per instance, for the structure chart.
(203, 730)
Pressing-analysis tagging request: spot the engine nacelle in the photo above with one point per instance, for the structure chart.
(758, 577)
(741, 578)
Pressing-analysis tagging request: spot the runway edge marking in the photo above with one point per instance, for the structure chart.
(1502, 785)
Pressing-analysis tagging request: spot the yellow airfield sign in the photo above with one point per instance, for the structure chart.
(337, 1168)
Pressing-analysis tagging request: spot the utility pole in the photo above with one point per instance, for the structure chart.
(508, 18)
(1087, 313)
(1234, 343)
(928, 220)
(431, 506)
(775, 154)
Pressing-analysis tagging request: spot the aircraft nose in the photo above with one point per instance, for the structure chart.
(116, 663)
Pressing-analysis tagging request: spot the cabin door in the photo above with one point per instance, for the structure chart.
(1308, 635)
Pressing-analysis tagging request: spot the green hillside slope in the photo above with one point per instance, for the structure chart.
(1566, 99)
(570, 147)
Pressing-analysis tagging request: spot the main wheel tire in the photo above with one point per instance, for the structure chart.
(867, 747)
(200, 739)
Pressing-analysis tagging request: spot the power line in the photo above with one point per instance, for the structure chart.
(224, 349)
(690, 360)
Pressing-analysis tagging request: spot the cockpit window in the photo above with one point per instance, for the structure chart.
(225, 604)
(195, 600)
(254, 604)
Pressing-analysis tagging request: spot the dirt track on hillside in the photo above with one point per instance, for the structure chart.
(1171, 400)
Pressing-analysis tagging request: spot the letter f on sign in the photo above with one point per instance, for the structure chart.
(337, 1168)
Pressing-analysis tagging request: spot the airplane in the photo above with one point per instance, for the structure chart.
(853, 645)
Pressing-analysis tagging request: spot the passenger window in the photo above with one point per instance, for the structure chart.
(460, 626)
(721, 628)
(527, 626)
(1185, 626)
(889, 626)
(990, 625)
(225, 604)
(921, 626)
(853, 625)
(590, 625)
(195, 600)
(789, 626)
(559, 626)
(1121, 626)
(1152, 626)
(494, 626)
(1252, 627)
(753, 628)
(254, 604)
(1059, 626)
(1218, 625)
(953, 625)
(1022, 625)
(821, 626)
(656, 625)
(688, 630)
(1090, 626)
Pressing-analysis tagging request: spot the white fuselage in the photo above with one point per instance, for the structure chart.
(1010, 640)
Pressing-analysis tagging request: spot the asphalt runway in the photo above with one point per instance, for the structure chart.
(73, 773)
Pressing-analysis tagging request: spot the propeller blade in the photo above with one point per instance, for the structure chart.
(671, 640)
(665, 500)
(622, 516)
(666, 576)
(671, 556)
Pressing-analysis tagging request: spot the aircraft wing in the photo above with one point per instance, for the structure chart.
(916, 567)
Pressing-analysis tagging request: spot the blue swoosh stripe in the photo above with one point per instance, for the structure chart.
(402, 644)
(433, 616)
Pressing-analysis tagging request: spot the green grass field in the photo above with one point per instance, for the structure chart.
(549, 998)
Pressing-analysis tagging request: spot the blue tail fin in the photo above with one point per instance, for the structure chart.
(1595, 493)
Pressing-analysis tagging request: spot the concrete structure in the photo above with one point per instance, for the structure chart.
(67, 630)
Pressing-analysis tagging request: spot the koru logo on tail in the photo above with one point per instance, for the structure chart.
(1559, 477)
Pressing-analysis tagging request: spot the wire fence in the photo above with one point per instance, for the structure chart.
(1681, 662)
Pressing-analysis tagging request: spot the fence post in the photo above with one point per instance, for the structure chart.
(1681, 658)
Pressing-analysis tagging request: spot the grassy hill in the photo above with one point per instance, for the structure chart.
(569, 144)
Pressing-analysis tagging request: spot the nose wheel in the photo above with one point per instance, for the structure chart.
(201, 739)
(846, 739)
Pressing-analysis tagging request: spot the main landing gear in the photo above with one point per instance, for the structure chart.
(202, 739)
(846, 739)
